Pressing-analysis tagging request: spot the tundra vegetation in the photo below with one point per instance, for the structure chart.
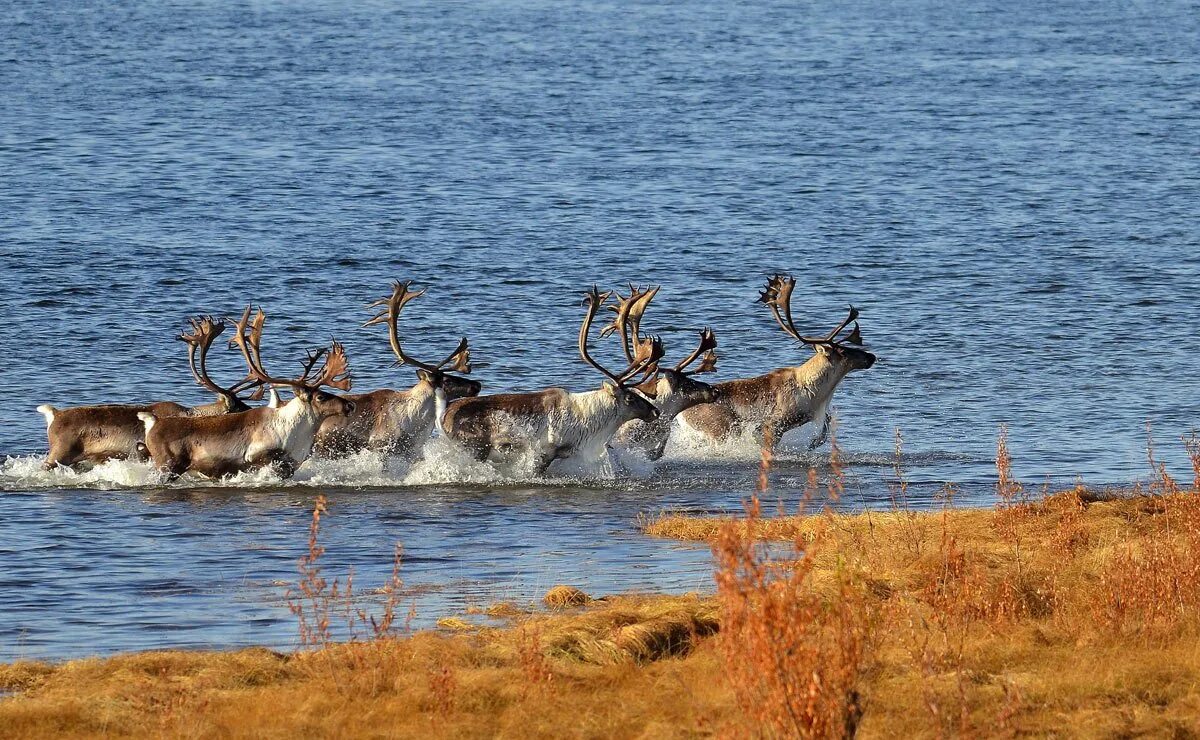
(1068, 613)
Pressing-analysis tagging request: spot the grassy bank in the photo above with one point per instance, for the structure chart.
(615, 668)
(1078, 614)
(1072, 614)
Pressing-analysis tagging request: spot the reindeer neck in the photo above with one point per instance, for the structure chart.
(820, 375)
(297, 412)
(599, 407)
(422, 390)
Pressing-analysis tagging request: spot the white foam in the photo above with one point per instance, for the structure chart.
(442, 462)
(446, 462)
(26, 472)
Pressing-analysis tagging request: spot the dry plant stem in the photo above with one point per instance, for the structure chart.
(1191, 444)
(1161, 481)
(311, 604)
(1012, 499)
(913, 535)
(314, 600)
(792, 655)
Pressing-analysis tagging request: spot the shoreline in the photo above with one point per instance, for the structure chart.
(1076, 609)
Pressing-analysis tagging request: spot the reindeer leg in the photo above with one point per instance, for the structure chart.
(176, 467)
(542, 464)
(655, 452)
(283, 465)
(823, 435)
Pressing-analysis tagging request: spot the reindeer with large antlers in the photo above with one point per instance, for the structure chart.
(673, 390)
(554, 423)
(789, 397)
(94, 434)
(281, 438)
(398, 422)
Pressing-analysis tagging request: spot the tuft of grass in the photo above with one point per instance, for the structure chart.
(565, 597)
(504, 609)
(795, 652)
(456, 624)
(632, 629)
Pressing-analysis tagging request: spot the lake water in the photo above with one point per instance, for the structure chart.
(1007, 190)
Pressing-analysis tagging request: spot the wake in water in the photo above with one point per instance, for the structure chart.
(445, 463)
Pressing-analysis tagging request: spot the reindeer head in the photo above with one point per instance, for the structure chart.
(845, 350)
(335, 372)
(646, 356)
(673, 388)
(680, 380)
(438, 376)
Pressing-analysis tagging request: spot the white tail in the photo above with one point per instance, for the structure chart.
(47, 411)
(148, 419)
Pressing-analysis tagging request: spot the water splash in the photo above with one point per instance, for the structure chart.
(25, 472)
(445, 463)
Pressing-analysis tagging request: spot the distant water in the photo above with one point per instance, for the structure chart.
(1007, 190)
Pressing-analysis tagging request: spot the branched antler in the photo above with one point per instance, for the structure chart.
(458, 361)
(778, 297)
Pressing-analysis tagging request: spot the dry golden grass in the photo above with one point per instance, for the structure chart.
(564, 597)
(1075, 614)
(612, 669)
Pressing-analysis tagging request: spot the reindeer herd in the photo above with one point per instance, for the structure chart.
(634, 408)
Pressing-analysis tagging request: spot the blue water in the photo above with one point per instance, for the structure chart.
(1008, 191)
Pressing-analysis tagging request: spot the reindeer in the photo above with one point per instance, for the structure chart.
(94, 434)
(282, 438)
(554, 423)
(398, 422)
(672, 389)
(789, 397)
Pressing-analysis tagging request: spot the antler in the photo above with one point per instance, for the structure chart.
(335, 373)
(311, 358)
(459, 360)
(204, 330)
(645, 360)
(778, 296)
(246, 339)
(628, 319)
(647, 353)
(707, 347)
(855, 336)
